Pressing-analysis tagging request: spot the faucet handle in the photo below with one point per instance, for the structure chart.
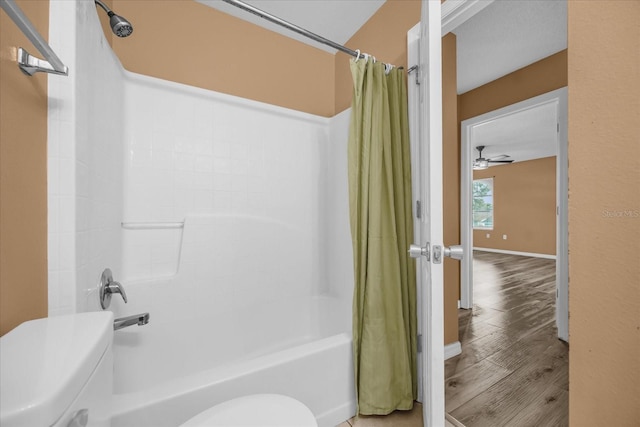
(116, 288)
(109, 286)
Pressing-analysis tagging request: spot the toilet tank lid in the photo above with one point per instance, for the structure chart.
(44, 364)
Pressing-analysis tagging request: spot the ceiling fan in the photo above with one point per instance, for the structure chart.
(482, 163)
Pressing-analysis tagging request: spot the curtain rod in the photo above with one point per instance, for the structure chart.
(293, 27)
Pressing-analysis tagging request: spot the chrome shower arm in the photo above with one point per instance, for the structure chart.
(104, 7)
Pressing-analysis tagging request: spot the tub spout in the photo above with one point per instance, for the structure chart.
(136, 319)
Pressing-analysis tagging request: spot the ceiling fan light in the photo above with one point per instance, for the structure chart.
(481, 164)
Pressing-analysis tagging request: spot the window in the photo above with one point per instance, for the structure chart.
(483, 204)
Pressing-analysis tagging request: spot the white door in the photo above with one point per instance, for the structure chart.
(426, 98)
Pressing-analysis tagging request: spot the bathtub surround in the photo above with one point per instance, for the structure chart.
(380, 199)
(263, 247)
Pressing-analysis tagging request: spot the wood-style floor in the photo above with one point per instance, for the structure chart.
(513, 370)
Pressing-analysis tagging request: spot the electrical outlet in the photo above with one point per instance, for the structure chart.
(488, 235)
(504, 237)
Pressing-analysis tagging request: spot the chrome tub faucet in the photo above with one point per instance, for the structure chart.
(108, 287)
(136, 319)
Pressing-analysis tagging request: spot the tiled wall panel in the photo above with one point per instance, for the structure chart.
(191, 152)
(85, 158)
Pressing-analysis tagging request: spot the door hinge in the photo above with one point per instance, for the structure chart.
(419, 343)
(415, 69)
(558, 127)
(418, 209)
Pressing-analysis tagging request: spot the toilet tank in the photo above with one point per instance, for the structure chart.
(58, 371)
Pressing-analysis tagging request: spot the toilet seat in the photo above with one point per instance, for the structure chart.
(259, 410)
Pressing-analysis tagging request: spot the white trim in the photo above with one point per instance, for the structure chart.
(503, 251)
(562, 221)
(456, 12)
(466, 215)
(453, 421)
(452, 350)
(413, 46)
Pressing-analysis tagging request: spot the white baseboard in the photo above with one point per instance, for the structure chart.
(502, 251)
(452, 350)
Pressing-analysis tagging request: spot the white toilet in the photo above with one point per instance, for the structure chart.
(256, 410)
(58, 372)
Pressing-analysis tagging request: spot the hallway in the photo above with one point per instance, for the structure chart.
(513, 370)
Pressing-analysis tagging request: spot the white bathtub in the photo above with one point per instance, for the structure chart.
(228, 325)
(156, 384)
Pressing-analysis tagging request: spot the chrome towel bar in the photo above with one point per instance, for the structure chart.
(30, 64)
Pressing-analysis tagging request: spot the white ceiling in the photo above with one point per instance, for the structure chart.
(506, 36)
(527, 135)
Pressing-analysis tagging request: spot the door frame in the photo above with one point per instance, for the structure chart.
(559, 97)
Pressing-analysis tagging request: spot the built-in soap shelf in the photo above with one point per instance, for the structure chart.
(151, 249)
(152, 225)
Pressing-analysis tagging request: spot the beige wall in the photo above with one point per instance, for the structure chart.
(187, 42)
(383, 35)
(451, 184)
(604, 213)
(540, 77)
(23, 176)
(524, 207)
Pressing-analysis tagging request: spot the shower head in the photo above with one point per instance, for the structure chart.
(120, 26)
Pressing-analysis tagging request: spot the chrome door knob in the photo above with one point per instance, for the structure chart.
(454, 252)
(416, 251)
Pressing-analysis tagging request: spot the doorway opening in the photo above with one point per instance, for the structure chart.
(513, 368)
(528, 131)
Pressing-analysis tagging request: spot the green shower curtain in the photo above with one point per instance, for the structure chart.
(384, 301)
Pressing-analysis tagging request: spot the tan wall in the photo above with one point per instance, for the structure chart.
(451, 183)
(604, 213)
(187, 42)
(23, 176)
(540, 77)
(384, 35)
(524, 207)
